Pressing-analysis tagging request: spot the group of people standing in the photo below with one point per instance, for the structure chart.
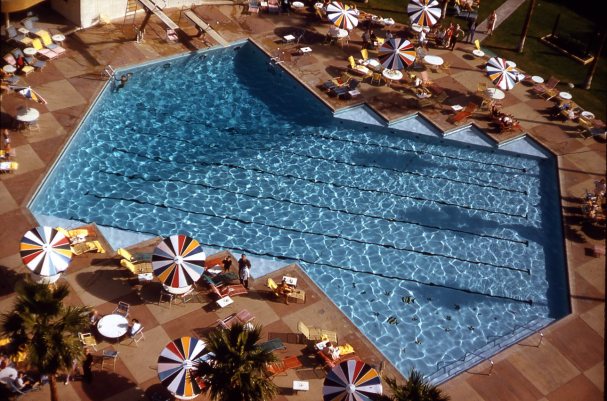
(244, 268)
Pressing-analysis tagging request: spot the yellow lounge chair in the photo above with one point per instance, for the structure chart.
(315, 333)
(8, 167)
(137, 268)
(365, 54)
(49, 54)
(75, 236)
(48, 42)
(90, 246)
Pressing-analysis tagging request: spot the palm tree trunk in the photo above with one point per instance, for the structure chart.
(53, 385)
(521, 44)
(595, 62)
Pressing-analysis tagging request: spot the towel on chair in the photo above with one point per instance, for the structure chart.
(345, 349)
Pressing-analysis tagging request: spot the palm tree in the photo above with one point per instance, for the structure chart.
(416, 389)
(45, 328)
(237, 371)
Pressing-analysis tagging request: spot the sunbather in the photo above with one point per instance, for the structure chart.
(284, 289)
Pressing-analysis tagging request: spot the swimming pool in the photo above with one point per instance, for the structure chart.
(432, 248)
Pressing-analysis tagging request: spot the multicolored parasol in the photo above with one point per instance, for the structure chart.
(176, 363)
(178, 261)
(396, 53)
(424, 12)
(351, 381)
(342, 15)
(503, 75)
(45, 251)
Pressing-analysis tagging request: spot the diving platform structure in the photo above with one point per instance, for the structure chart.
(152, 8)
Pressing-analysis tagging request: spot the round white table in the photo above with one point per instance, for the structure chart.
(537, 79)
(27, 115)
(496, 94)
(338, 33)
(9, 69)
(478, 53)
(8, 374)
(565, 95)
(319, 5)
(177, 290)
(297, 5)
(30, 51)
(588, 115)
(511, 64)
(392, 75)
(113, 326)
(434, 60)
(58, 37)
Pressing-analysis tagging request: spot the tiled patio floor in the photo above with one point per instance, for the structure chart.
(567, 366)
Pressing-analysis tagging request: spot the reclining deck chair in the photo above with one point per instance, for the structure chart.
(137, 268)
(358, 69)
(315, 333)
(90, 246)
(228, 290)
(547, 89)
(243, 317)
(273, 345)
(344, 90)
(290, 362)
(463, 115)
(337, 81)
(75, 236)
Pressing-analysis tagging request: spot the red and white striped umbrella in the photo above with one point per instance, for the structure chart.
(424, 12)
(342, 15)
(396, 53)
(45, 251)
(178, 261)
(503, 75)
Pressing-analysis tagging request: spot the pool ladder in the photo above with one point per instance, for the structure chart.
(109, 71)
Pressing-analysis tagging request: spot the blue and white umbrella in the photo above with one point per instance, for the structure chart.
(342, 15)
(424, 12)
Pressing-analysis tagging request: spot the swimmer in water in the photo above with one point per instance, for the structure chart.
(124, 79)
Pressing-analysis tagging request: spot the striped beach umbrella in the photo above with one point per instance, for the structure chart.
(351, 381)
(342, 15)
(176, 363)
(178, 261)
(395, 54)
(45, 251)
(424, 12)
(503, 75)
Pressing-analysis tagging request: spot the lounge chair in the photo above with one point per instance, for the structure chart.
(337, 81)
(547, 89)
(88, 340)
(228, 290)
(134, 258)
(90, 246)
(290, 362)
(273, 6)
(463, 115)
(315, 333)
(137, 268)
(331, 363)
(358, 69)
(243, 317)
(49, 54)
(253, 7)
(28, 23)
(10, 59)
(343, 89)
(75, 236)
(273, 345)
(13, 34)
(47, 41)
(8, 167)
(365, 54)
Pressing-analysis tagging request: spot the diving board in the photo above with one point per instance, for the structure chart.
(204, 26)
(152, 7)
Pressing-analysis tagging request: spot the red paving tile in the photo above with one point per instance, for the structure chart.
(505, 384)
(578, 389)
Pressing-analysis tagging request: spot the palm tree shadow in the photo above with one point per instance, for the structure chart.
(9, 279)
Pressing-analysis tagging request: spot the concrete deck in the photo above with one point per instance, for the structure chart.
(568, 365)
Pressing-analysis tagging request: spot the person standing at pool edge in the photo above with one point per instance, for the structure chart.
(244, 270)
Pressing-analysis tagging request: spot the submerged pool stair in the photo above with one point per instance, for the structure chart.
(448, 369)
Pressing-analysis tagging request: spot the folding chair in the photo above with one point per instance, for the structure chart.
(109, 355)
(122, 309)
(138, 336)
(88, 340)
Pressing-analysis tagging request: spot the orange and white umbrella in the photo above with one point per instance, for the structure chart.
(176, 364)
(501, 73)
(424, 12)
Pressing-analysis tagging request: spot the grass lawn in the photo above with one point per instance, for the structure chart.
(540, 59)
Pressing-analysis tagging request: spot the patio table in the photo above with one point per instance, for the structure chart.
(565, 95)
(27, 115)
(434, 60)
(9, 69)
(113, 326)
(496, 94)
(537, 79)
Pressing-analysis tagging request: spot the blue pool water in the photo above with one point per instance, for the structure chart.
(225, 148)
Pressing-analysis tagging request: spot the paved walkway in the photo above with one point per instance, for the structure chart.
(503, 12)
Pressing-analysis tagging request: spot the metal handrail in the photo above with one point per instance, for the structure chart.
(447, 364)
